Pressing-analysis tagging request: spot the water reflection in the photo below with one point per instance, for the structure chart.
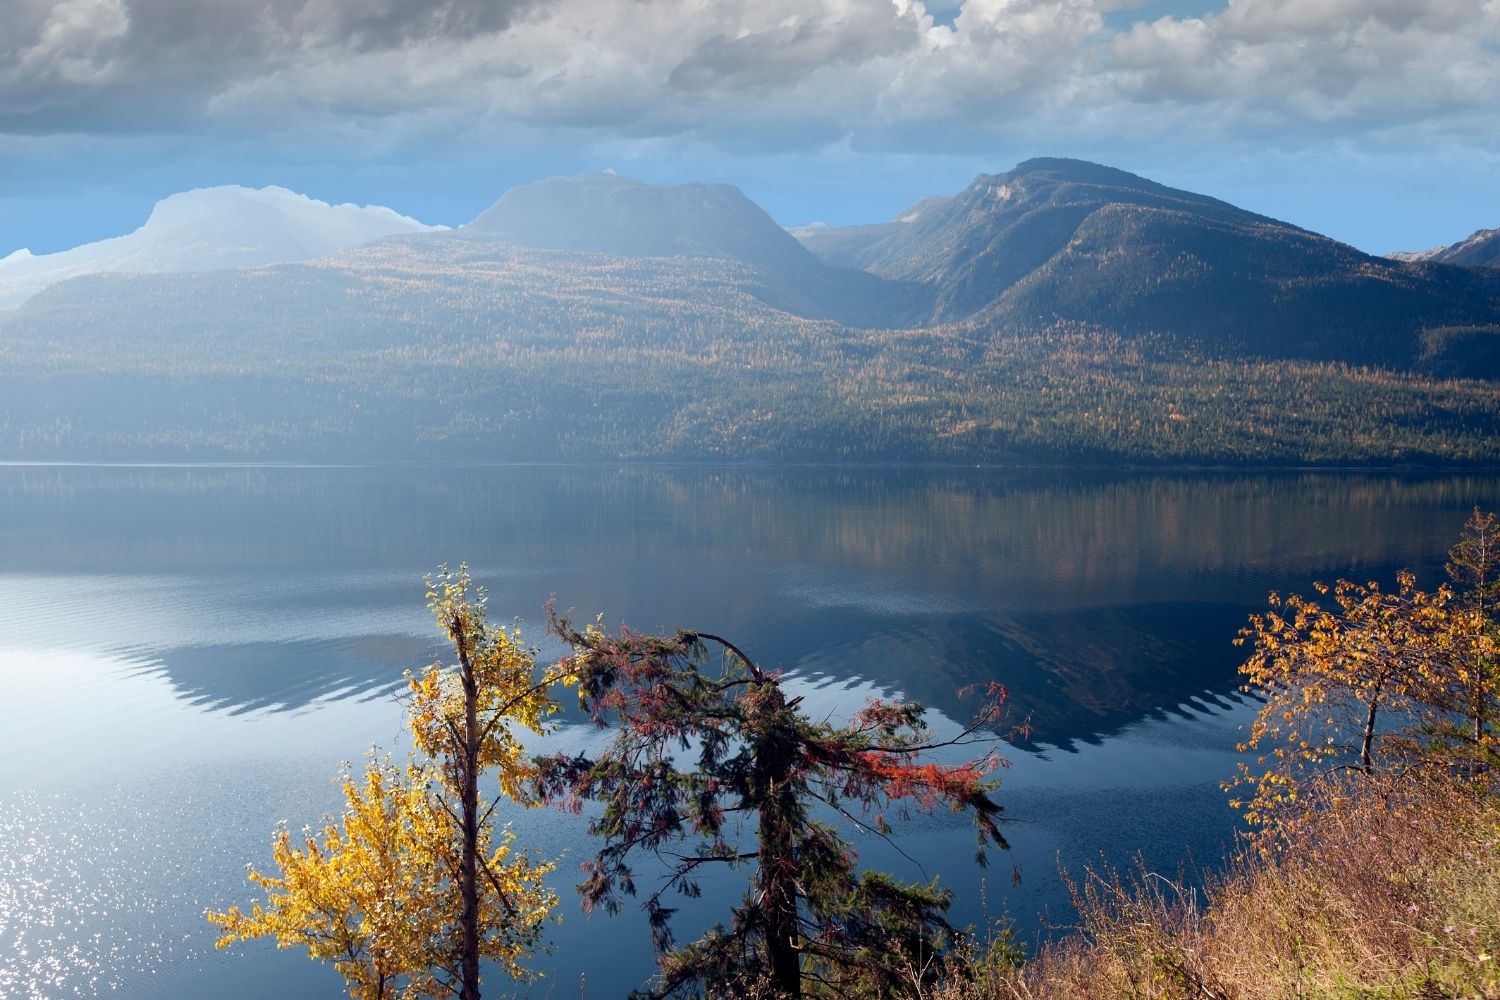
(188, 653)
(1054, 534)
(1072, 674)
(1095, 598)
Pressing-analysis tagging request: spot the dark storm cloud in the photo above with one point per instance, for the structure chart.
(375, 73)
(125, 65)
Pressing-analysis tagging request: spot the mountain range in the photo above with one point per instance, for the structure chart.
(1064, 241)
(1058, 311)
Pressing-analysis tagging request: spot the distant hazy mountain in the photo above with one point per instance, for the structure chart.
(1482, 249)
(207, 229)
(607, 213)
(622, 217)
(1059, 240)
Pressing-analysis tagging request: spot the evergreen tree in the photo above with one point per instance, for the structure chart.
(713, 765)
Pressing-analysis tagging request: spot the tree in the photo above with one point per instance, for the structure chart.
(1407, 678)
(1466, 697)
(408, 891)
(363, 894)
(1329, 679)
(712, 765)
(1474, 562)
(462, 719)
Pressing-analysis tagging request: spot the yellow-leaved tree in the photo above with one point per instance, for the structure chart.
(463, 718)
(408, 890)
(361, 893)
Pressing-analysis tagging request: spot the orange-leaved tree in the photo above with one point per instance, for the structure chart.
(409, 889)
(1407, 678)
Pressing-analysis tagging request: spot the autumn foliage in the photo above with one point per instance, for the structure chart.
(1405, 680)
(361, 892)
(411, 887)
(1373, 870)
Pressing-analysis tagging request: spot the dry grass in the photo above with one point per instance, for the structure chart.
(1388, 890)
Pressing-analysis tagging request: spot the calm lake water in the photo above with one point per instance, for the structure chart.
(187, 655)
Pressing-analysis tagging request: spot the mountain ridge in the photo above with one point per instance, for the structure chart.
(620, 216)
(1058, 240)
(1063, 312)
(1480, 248)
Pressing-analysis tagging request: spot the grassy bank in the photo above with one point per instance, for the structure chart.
(1390, 890)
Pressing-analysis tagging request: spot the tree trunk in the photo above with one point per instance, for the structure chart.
(778, 865)
(1366, 756)
(1478, 722)
(468, 762)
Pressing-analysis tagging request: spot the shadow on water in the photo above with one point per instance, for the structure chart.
(286, 676)
(1069, 675)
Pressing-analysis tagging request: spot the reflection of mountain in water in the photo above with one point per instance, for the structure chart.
(1097, 598)
(1072, 674)
(1064, 532)
(285, 676)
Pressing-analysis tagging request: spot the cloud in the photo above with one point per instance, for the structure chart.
(780, 73)
(106, 65)
(775, 56)
(1298, 64)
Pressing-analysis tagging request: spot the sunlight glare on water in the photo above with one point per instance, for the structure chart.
(77, 916)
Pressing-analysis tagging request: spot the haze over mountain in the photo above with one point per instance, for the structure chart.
(608, 213)
(1480, 249)
(1060, 311)
(210, 228)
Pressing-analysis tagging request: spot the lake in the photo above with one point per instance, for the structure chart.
(187, 654)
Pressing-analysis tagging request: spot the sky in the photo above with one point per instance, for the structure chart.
(1373, 121)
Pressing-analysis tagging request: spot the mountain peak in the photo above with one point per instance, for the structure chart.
(1480, 249)
(611, 214)
(1064, 171)
(1077, 170)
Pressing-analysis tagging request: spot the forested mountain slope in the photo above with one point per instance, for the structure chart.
(703, 341)
(1066, 241)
